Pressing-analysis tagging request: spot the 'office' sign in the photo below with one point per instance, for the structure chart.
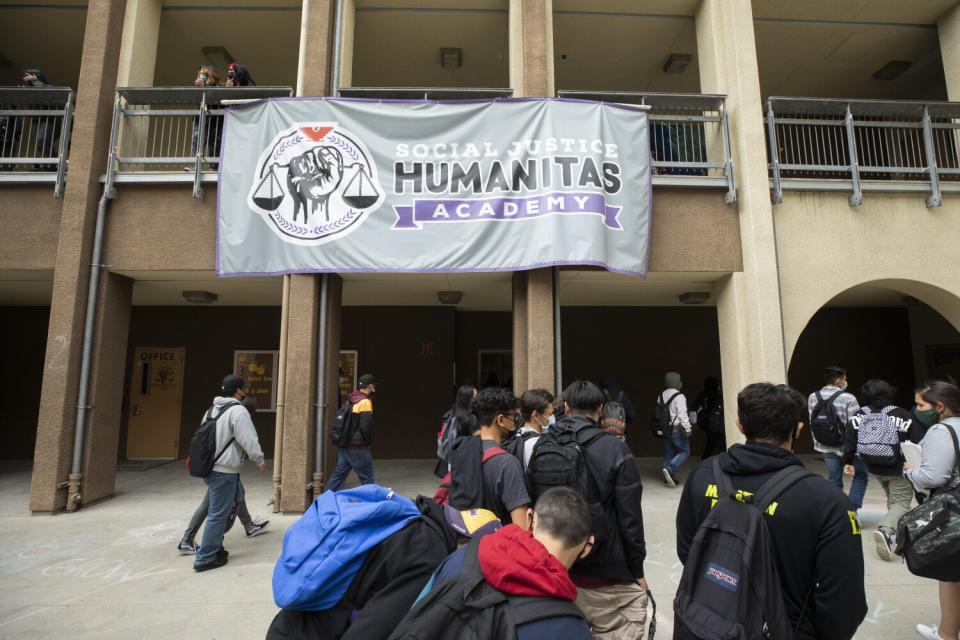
(326, 185)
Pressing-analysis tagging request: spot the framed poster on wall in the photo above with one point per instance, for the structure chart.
(258, 369)
(348, 373)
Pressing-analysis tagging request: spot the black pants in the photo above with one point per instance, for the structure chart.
(716, 443)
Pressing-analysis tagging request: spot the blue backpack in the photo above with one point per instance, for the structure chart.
(324, 550)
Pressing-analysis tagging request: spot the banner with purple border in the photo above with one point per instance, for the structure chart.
(311, 185)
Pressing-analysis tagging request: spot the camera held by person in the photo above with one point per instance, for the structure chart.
(238, 76)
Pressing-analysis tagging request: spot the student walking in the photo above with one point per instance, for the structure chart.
(252, 527)
(482, 474)
(676, 443)
(355, 454)
(940, 469)
(874, 434)
(830, 409)
(511, 579)
(814, 535)
(709, 409)
(236, 439)
(612, 591)
(536, 411)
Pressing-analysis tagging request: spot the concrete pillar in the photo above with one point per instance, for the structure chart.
(533, 345)
(748, 309)
(346, 47)
(106, 399)
(88, 153)
(138, 49)
(948, 27)
(303, 305)
(300, 393)
(334, 306)
(531, 48)
(316, 35)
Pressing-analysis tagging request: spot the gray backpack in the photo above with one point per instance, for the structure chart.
(878, 440)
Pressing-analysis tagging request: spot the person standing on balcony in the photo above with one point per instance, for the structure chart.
(206, 78)
(238, 76)
(46, 127)
(830, 409)
(355, 454)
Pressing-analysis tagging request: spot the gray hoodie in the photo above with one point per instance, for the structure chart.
(235, 422)
(938, 467)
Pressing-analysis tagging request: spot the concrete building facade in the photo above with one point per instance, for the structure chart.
(800, 252)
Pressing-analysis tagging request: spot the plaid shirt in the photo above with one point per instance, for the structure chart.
(846, 406)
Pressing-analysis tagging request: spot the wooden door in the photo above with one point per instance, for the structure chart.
(156, 391)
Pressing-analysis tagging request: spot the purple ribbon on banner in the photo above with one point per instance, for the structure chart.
(523, 208)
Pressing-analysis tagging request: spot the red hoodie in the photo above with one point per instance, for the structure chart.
(513, 561)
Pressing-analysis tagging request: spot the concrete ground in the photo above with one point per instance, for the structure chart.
(111, 570)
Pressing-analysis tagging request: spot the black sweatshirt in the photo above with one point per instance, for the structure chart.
(908, 428)
(816, 538)
(621, 550)
(392, 576)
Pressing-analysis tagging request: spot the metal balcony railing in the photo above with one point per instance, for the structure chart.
(35, 126)
(863, 145)
(689, 137)
(173, 134)
(422, 93)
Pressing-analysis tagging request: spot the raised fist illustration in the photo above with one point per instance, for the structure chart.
(311, 178)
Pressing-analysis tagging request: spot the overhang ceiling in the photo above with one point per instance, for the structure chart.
(26, 288)
(45, 36)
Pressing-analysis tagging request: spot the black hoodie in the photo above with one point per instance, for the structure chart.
(41, 80)
(392, 576)
(621, 548)
(816, 538)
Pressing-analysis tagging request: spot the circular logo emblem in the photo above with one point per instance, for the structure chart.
(314, 183)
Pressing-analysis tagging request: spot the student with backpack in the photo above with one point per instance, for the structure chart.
(234, 439)
(765, 542)
(874, 434)
(353, 449)
(611, 588)
(536, 413)
(939, 470)
(830, 410)
(709, 408)
(382, 583)
(458, 421)
(618, 410)
(483, 475)
(512, 583)
(671, 416)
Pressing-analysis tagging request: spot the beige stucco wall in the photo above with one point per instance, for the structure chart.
(162, 228)
(826, 247)
(29, 227)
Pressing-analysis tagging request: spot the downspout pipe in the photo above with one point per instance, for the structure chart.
(74, 480)
(337, 46)
(281, 398)
(321, 386)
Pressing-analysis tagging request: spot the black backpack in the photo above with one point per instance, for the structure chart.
(558, 461)
(614, 417)
(711, 420)
(343, 424)
(730, 589)
(825, 423)
(660, 424)
(203, 448)
(515, 445)
(468, 608)
(928, 536)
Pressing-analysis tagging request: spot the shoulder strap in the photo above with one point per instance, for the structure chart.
(835, 396)
(819, 402)
(491, 452)
(233, 439)
(956, 446)
(722, 479)
(672, 398)
(783, 480)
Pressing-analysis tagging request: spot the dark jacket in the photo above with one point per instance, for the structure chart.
(363, 414)
(908, 428)
(515, 563)
(621, 548)
(393, 574)
(816, 538)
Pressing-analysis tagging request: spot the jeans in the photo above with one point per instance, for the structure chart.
(201, 514)
(676, 449)
(899, 492)
(359, 460)
(222, 490)
(858, 488)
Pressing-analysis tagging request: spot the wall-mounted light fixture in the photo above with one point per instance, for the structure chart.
(449, 297)
(200, 297)
(694, 297)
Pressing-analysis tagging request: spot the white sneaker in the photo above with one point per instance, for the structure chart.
(668, 478)
(929, 632)
(883, 545)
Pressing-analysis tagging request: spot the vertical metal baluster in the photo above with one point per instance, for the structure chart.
(777, 196)
(935, 199)
(64, 147)
(856, 198)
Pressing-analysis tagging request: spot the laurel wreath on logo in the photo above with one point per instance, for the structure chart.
(286, 144)
(323, 229)
(338, 142)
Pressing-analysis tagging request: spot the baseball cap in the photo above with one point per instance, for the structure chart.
(231, 383)
(366, 380)
(471, 522)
